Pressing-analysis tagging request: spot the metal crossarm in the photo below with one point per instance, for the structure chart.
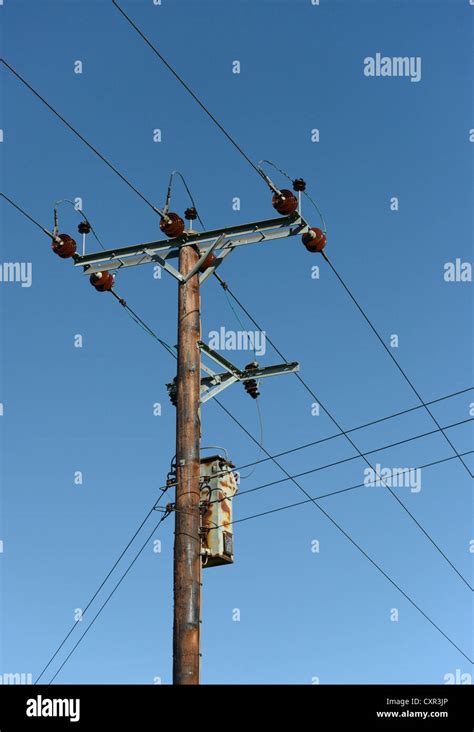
(221, 241)
(214, 383)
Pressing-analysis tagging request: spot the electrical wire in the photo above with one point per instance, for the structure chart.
(353, 542)
(190, 91)
(168, 195)
(259, 412)
(81, 137)
(392, 493)
(169, 349)
(259, 460)
(86, 219)
(156, 210)
(305, 193)
(117, 561)
(395, 361)
(353, 457)
(27, 215)
(367, 319)
(332, 418)
(148, 330)
(327, 495)
(217, 401)
(354, 429)
(109, 597)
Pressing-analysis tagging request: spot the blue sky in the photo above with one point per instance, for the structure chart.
(302, 614)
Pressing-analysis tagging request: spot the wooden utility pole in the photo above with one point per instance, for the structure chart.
(199, 256)
(187, 542)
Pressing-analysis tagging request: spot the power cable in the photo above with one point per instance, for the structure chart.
(130, 542)
(190, 91)
(81, 137)
(117, 585)
(395, 361)
(331, 417)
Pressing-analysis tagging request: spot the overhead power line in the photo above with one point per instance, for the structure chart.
(117, 561)
(281, 467)
(236, 521)
(331, 417)
(28, 216)
(190, 91)
(395, 361)
(109, 597)
(353, 542)
(136, 318)
(354, 429)
(357, 457)
(81, 137)
(257, 442)
(331, 493)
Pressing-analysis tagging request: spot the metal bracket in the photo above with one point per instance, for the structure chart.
(165, 265)
(220, 239)
(214, 383)
(223, 241)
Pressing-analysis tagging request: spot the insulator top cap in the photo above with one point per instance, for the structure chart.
(84, 227)
(299, 184)
(190, 214)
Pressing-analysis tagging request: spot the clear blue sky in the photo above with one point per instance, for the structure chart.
(66, 409)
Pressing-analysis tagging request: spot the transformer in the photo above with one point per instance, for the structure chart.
(218, 487)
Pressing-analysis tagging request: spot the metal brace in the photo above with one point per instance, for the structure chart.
(214, 383)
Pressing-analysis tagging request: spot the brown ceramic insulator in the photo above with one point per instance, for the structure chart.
(314, 240)
(66, 248)
(208, 262)
(285, 202)
(102, 281)
(172, 228)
